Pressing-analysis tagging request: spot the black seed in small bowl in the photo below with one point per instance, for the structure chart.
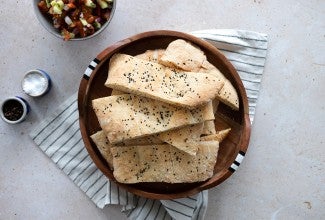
(12, 110)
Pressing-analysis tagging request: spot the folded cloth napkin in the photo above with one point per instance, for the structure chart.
(58, 136)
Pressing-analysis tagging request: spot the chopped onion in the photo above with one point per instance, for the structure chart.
(68, 20)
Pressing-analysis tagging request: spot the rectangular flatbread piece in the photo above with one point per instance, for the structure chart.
(163, 163)
(183, 55)
(104, 147)
(185, 139)
(186, 89)
(129, 116)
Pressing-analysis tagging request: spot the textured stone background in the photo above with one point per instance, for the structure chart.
(282, 176)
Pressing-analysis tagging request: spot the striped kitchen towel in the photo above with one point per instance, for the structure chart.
(58, 136)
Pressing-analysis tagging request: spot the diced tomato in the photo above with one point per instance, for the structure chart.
(42, 6)
(75, 9)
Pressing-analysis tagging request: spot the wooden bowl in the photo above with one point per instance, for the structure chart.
(232, 149)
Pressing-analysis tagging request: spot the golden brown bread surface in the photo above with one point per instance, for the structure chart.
(129, 116)
(163, 163)
(186, 89)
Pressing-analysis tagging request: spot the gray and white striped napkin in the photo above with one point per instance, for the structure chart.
(59, 136)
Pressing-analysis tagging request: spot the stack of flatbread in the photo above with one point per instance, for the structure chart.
(158, 123)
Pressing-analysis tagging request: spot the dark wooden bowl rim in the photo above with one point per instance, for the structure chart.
(83, 105)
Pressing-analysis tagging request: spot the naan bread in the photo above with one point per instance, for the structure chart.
(129, 116)
(163, 163)
(137, 76)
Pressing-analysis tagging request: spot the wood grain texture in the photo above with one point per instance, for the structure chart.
(238, 121)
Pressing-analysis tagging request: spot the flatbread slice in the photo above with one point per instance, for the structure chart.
(207, 67)
(228, 94)
(200, 167)
(103, 146)
(183, 55)
(117, 92)
(209, 128)
(219, 136)
(137, 76)
(155, 56)
(185, 139)
(215, 104)
(147, 140)
(151, 55)
(163, 163)
(129, 116)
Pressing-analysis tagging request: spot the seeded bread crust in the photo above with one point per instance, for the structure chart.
(164, 163)
(104, 147)
(129, 116)
(185, 139)
(227, 94)
(177, 56)
(186, 89)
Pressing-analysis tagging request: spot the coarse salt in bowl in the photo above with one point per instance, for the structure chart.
(36, 83)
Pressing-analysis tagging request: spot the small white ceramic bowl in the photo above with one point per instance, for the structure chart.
(47, 24)
(36, 83)
(19, 101)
